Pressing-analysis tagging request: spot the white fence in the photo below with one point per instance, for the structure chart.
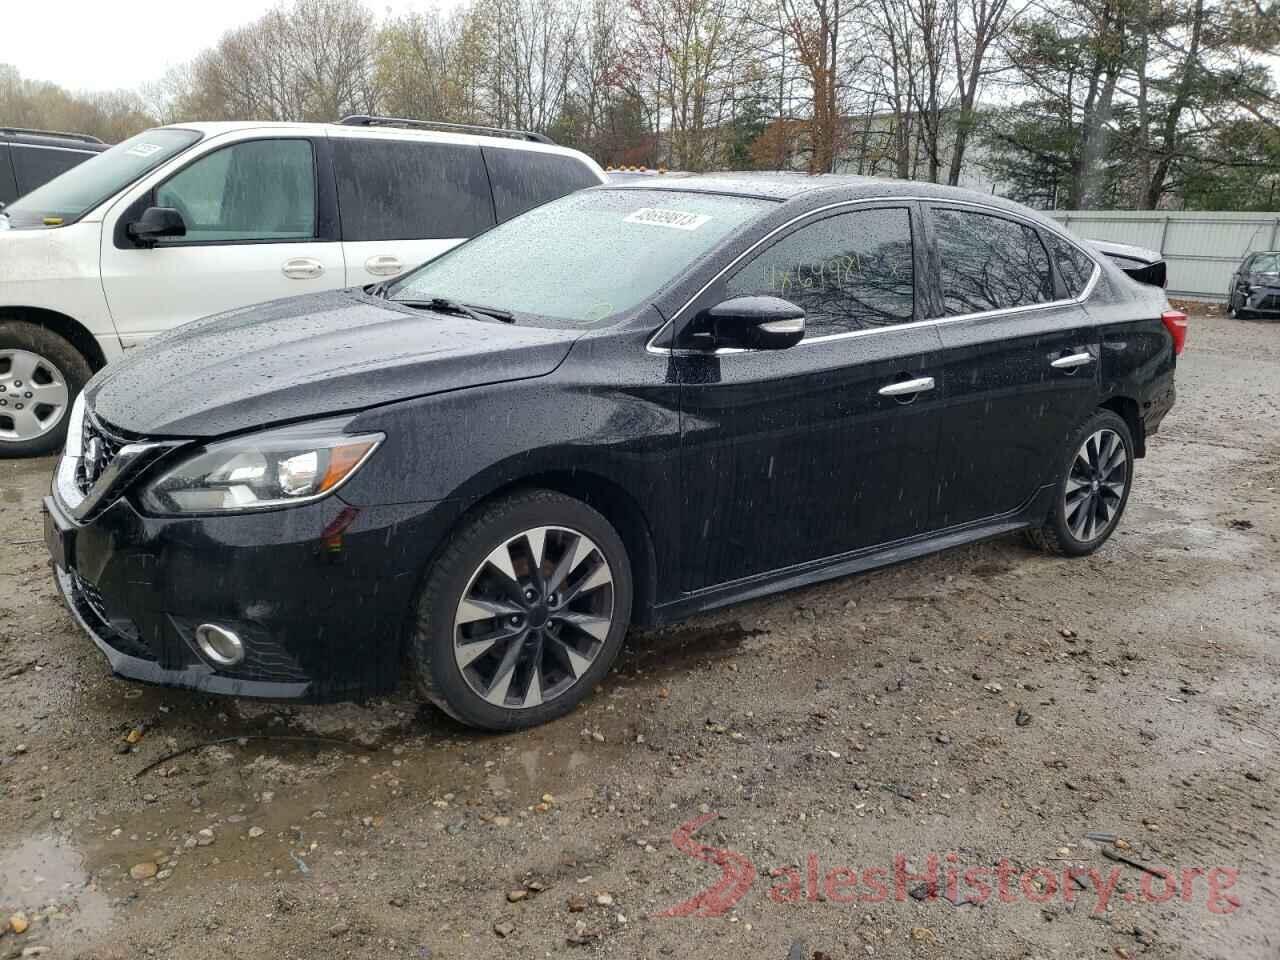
(1202, 249)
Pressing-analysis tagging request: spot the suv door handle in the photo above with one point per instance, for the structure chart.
(904, 387)
(1072, 361)
(302, 268)
(384, 265)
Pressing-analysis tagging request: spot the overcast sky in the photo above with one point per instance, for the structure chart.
(110, 45)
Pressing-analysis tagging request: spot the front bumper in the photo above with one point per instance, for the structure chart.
(320, 594)
(1264, 301)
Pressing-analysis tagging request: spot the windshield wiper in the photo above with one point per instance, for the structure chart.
(445, 305)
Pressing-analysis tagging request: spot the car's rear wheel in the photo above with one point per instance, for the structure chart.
(40, 376)
(1092, 490)
(523, 612)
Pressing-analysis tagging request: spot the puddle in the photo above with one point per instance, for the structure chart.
(46, 879)
(296, 810)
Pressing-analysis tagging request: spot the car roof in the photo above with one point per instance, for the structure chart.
(815, 189)
(385, 132)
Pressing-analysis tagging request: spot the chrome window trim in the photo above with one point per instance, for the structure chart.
(914, 324)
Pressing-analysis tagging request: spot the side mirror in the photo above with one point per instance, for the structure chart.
(756, 323)
(157, 222)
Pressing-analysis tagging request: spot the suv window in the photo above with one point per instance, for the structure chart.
(257, 190)
(989, 263)
(852, 271)
(1074, 265)
(8, 189)
(35, 166)
(411, 190)
(524, 179)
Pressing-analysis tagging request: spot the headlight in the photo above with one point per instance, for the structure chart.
(276, 468)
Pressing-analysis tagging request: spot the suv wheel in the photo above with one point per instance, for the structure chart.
(40, 376)
(1092, 490)
(523, 612)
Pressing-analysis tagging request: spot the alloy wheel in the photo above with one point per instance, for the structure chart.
(1096, 485)
(534, 617)
(33, 395)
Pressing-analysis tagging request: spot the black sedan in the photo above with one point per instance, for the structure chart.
(1255, 286)
(630, 405)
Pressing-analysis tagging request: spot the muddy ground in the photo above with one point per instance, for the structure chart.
(990, 703)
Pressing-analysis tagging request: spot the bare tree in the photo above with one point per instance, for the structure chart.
(976, 28)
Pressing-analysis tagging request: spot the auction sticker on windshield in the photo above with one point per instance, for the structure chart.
(675, 219)
(144, 149)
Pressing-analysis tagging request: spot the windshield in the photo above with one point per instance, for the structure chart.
(76, 192)
(584, 257)
(1267, 263)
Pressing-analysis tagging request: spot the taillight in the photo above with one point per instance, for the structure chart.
(1175, 321)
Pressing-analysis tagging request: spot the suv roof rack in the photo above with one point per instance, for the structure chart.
(50, 133)
(361, 120)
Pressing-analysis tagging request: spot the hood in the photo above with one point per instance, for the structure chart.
(320, 354)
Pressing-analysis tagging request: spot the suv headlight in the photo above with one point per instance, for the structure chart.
(261, 471)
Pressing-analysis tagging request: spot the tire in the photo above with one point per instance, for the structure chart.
(36, 363)
(1081, 526)
(479, 631)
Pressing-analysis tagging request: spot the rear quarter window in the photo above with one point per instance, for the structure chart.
(411, 190)
(1074, 265)
(524, 179)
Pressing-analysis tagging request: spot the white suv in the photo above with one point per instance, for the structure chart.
(196, 218)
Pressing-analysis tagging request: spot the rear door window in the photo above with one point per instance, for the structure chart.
(411, 190)
(851, 271)
(989, 262)
(263, 190)
(35, 166)
(524, 179)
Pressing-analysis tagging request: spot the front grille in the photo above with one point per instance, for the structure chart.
(1270, 302)
(97, 449)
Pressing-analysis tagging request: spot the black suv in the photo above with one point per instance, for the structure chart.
(31, 158)
(626, 406)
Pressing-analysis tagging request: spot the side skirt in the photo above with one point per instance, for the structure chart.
(802, 575)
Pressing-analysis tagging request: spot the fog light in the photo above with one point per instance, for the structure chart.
(219, 644)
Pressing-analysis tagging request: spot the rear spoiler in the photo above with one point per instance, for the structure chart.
(1145, 266)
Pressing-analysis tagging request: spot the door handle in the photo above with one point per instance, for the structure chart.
(384, 265)
(302, 268)
(904, 387)
(1072, 361)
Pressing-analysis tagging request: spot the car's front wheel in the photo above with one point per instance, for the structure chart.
(523, 612)
(1093, 487)
(40, 376)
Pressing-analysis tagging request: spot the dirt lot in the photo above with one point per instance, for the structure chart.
(989, 705)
